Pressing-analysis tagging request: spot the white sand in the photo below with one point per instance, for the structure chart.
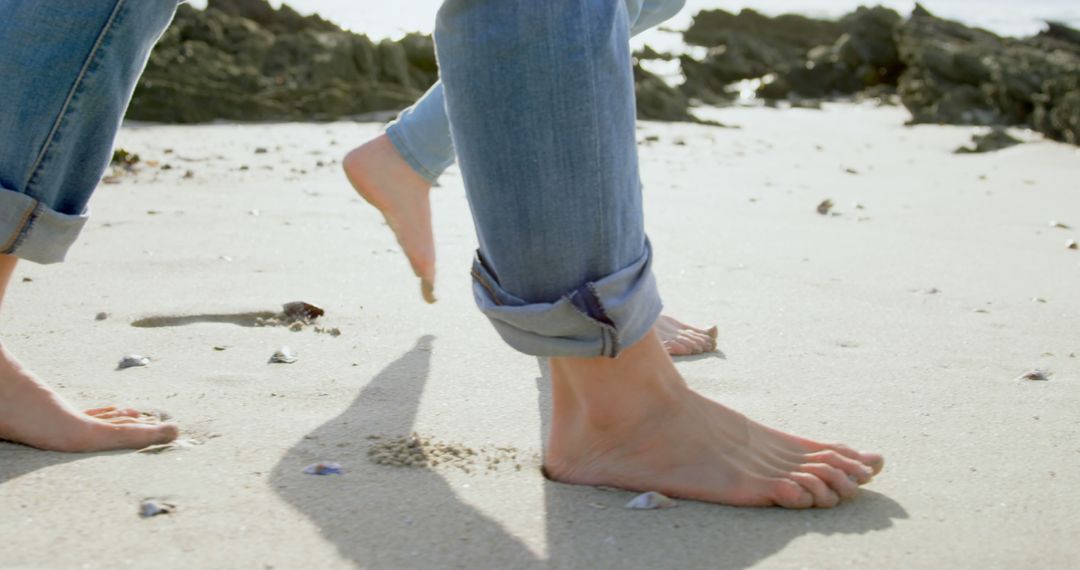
(823, 327)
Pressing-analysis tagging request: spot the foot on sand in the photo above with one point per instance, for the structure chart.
(32, 414)
(383, 178)
(681, 339)
(633, 423)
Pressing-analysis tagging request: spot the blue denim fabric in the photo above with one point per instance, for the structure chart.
(68, 71)
(540, 99)
(421, 133)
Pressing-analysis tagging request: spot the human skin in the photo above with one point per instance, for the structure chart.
(33, 414)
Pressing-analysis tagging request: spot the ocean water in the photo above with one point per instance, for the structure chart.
(380, 18)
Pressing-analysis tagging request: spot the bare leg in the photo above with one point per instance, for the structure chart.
(382, 177)
(32, 414)
(386, 181)
(632, 422)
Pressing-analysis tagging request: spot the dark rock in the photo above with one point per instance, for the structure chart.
(657, 101)
(996, 139)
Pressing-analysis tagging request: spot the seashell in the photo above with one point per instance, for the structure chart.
(302, 310)
(650, 501)
(132, 361)
(283, 356)
(153, 507)
(1071, 244)
(1036, 375)
(824, 207)
(1059, 225)
(324, 468)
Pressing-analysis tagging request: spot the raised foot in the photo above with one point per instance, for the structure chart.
(632, 423)
(34, 415)
(382, 177)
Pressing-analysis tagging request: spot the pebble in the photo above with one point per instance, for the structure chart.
(132, 361)
(283, 356)
(153, 507)
(1036, 375)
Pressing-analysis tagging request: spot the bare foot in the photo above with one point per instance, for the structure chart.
(34, 415)
(383, 178)
(681, 339)
(633, 423)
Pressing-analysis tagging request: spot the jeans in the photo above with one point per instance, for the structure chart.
(540, 101)
(421, 133)
(68, 70)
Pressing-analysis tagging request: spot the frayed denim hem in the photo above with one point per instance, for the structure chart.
(34, 232)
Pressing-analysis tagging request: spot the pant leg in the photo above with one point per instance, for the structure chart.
(421, 133)
(540, 98)
(68, 71)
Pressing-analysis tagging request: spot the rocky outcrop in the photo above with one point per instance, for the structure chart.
(944, 72)
(960, 75)
(244, 60)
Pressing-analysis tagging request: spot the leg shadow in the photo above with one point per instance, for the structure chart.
(387, 517)
(588, 527)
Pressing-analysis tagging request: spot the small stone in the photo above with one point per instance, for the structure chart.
(153, 507)
(824, 207)
(1038, 300)
(220, 347)
(297, 326)
(27, 280)
(1060, 225)
(651, 501)
(1071, 244)
(285, 355)
(132, 361)
(101, 316)
(1036, 375)
(189, 174)
(260, 150)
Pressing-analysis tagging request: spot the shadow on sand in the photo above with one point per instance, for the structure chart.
(382, 517)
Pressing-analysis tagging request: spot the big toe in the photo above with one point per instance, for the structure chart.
(112, 436)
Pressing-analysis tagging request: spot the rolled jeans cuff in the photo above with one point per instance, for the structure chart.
(599, 318)
(428, 159)
(32, 231)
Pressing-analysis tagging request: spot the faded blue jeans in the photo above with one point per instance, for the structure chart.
(540, 99)
(421, 133)
(67, 71)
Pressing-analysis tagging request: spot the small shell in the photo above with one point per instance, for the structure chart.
(1059, 225)
(651, 500)
(324, 468)
(283, 356)
(1036, 375)
(302, 310)
(153, 507)
(824, 207)
(132, 361)
(1071, 244)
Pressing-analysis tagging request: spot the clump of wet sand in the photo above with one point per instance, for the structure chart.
(425, 452)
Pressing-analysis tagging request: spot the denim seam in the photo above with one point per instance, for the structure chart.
(606, 330)
(74, 92)
(410, 156)
(491, 292)
(22, 228)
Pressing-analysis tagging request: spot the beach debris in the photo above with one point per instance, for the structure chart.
(597, 506)
(334, 332)
(260, 150)
(302, 310)
(171, 446)
(154, 507)
(296, 326)
(1071, 244)
(1036, 375)
(220, 347)
(824, 207)
(101, 316)
(156, 415)
(324, 468)
(284, 355)
(189, 174)
(1060, 225)
(1038, 300)
(27, 279)
(124, 159)
(996, 139)
(851, 171)
(651, 501)
(132, 361)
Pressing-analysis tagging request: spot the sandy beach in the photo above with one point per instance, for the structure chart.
(899, 324)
